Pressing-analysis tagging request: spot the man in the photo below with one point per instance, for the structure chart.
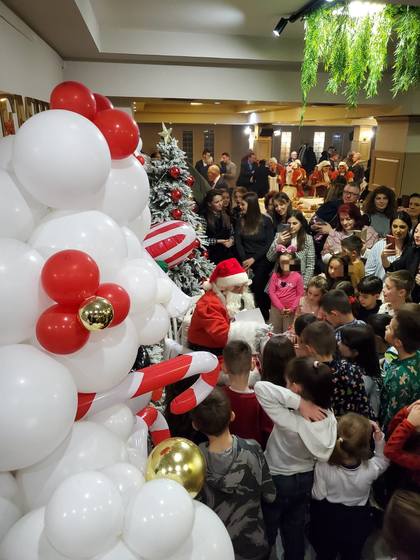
(357, 169)
(293, 157)
(228, 169)
(216, 181)
(202, 165)
(247, 171)
(328, 211)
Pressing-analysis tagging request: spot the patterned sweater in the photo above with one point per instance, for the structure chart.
(306, 258)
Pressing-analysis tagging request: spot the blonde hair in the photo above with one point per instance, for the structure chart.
(354, 434)
(319, 282)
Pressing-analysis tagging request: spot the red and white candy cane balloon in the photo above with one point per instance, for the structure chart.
(171, 242)
(157, 424)
(144, 382)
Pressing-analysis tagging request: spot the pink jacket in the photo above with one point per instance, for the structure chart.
(285, 291)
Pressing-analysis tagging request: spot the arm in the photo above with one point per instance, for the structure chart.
(300, 291)
(211, 321)
(379, 463)
(310, 260)
(373, 258)
(276, 401)
(238, 244)
(268, 488)
(272, 292)
(371, 237)
(319, 489)
(272, 253)
(394, 448)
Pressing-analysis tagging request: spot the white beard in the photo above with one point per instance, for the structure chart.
(238, 302)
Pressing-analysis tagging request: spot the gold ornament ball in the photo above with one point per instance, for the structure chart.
(178, 459)
(96, 313)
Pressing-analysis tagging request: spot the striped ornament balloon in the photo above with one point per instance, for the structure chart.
(170, 242)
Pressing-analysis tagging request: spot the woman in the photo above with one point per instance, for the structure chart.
(219, 230)
(296, 176)
(276, 174)
(269, 203)
(321, 177)
(350, 220)
(381, 207)
(400, 230)
(253, 237)
(298, 236)
(282, 207)
(343, 171)
(237, 195)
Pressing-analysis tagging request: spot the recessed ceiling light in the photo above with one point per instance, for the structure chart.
(217, 102)
(195, 103)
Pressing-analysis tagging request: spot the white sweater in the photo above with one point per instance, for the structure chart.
(295, 443)
(349, 486)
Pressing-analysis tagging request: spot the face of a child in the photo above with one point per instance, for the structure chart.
(368, 301)
(391, 293)
(237, 197)
(314, 294)
(335, 269)
(390, 331)
(225, 199)
(295, 225)
(347, 223)
(280, 207)
(381, 202)
(284, 263)
(243, 206)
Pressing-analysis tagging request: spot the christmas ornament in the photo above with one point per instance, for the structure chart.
(176, 213)
(140, 159)
(171, 242)
(190, 181)
(174, 172)
(165, 134)
(206, 254)
(197, 244)
(96, 313)
(176, 195)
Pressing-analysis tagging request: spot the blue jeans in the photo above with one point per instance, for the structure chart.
(289, 513)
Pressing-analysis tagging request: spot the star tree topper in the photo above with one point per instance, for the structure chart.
(165, 134)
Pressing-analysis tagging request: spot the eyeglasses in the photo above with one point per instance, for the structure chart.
(349, 193)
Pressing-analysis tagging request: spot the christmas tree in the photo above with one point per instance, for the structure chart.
(171, 199)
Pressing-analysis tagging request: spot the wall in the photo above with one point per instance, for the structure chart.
(28, 66)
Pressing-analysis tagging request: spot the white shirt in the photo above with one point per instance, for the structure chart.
(349, 486)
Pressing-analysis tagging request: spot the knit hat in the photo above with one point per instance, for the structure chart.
(323, 164)
(229, 273)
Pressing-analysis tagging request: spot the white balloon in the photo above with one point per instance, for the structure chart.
(84, 516)
(209, 539)
(164, 290)
(134, 248)
(159, 519)
(92, 232)
(118, 419)
(38, 401)
(88, 447)
(139, 279)
(16, 219)
(61, 158)
(137, 447)
(38, 209)
(126, 478)
(6, 152)
(105, 359)
(139, 145)
(119, 552)
(21, 296)
(141, 225)
(126, 191)
(22, 540)
(156, 328)
(9, 514)
(8, 486)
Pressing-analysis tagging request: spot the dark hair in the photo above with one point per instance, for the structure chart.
(252, 219)
(205, 151)
(281, 197)
(352, 243)
(301, 235)
(277, 353)
(414, 195)
(302, 321)
(212, 416)
(404, 217)
(237, 355)
(361, 338)
(408, 326)
(320, 335)
(353, 211)
(269, 197)
(403, 280)
(335, 192)
(379, 322)
(370, 284)
(226, 154)
(346, 286)
(354, 434)
(208, 213)
(315, 378)
(332, 282)
(401, 529)
(369, 204)
(336, 300)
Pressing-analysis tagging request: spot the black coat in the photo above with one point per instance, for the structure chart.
(246, 174)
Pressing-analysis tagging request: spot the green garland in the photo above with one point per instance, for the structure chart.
(354, 51)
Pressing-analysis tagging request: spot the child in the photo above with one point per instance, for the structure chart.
(347, 287)
(285, 290)
(337, 270)
(402, 525)
(300, 324)
(250, 420)
(337, 310)
(401, 376)
(349, 394)
(277, 353)
(369, 290)
(379, 323)
(352, 247)
(295, 444)
(340, 515)
(237, 477)
(309, 303)
(397, 289)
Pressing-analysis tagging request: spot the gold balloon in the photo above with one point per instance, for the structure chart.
(178, 459)
(96, 314)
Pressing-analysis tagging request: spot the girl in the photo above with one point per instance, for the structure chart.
(381, 207)
(337, 271)
(295, 444)
(358, 347)
(238, 194)
(219, 229)
(397, 288)
(285, 290)
(277, 353)
(269, 204)
(298, 236)
(316, 288)
(253, 236)
(340, 516)
(282, 207)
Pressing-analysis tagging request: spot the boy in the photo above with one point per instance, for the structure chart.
(250, 420)
(397, 289)
(401, 376)
(352, 247)
(336, 308)
(369, 290)
(237, 478)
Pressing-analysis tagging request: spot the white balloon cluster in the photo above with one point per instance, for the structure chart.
(76, 490)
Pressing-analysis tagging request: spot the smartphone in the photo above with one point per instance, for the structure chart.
(282, 228)
(390, 240)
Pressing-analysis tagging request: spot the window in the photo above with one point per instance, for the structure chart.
(187, 144)
(319, 141)
(286, 142)
(337, 142)
(209, 141)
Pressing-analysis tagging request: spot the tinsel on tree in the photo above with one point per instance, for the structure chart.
(171, 198)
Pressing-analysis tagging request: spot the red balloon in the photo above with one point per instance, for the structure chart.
(70, 276)
(59, 330)
(119, 299)
(176, 213)
(120, 131)
(74, 96)
(102, 102)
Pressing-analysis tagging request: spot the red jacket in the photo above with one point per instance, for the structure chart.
(210, 322)
(401, 430)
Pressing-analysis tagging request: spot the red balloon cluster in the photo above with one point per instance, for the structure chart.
(71, 277)
(119, 129)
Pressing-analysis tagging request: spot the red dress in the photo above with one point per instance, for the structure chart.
(209, 323)
(401, 430)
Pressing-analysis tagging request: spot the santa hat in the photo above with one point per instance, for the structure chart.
(343, 164)
(229, 273)
(323, 164)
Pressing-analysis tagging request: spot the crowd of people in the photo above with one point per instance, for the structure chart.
(313, 434)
